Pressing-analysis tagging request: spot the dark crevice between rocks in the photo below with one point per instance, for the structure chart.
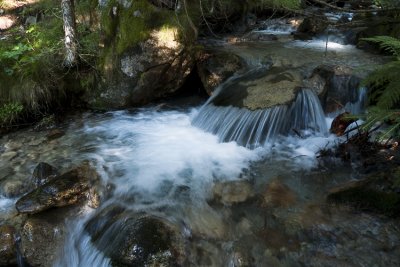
(191, 93)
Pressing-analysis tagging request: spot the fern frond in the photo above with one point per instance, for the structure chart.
(379, 116)
(385, 85)
(387, 43)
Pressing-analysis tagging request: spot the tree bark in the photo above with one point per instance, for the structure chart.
(71, 46)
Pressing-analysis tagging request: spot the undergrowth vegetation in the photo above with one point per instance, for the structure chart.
(385, 89)
(31, 56)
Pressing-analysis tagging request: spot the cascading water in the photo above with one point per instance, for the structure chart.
(167, 164)
(254, 128)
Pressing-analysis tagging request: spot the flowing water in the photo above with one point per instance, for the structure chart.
(167, 163)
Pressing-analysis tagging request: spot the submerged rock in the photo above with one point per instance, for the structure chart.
(232, 192)
(131, 239)
(278, 195)
(8, 249)
(66, 189)
(378, 193)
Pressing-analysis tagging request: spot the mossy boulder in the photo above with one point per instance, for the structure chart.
(262, 89)
(147, 55)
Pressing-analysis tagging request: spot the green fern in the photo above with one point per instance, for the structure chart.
(384, 83)
(386, 43)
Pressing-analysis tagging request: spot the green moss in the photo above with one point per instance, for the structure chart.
(130, 26)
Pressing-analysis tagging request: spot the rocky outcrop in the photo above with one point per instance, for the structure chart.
(67, 189)
(216, 67)
(136, 239)
(143, 59)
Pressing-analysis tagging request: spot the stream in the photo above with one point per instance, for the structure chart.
(171, 162)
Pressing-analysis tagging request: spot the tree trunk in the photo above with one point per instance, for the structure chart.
(71, 47)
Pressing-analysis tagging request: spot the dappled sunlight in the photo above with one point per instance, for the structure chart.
(13, 4)
(166, 37)
(6, 22)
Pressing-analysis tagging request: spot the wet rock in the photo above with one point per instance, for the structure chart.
(67, 189)
(205, 222)
(259, 90)
(313, 25)
(377, 193)
(232, 192)
(43, 235)
(278, 195)
(215, 68)
(5, 172)
(256, 36)
(340, 123)
(340, 86)
(54, 134)
(14, 187)
(131, 239)
(43, 173)
(8, 250)
(7, 156)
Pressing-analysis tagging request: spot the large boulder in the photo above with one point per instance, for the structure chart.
(136, 239)
(69, 188)
(312, 26)
(216, 67)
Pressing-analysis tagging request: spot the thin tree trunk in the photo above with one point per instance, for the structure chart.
(71, 47)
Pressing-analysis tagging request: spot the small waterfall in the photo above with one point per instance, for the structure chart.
(253, 128)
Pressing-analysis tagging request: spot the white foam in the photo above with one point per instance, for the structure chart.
(321, 45)
(149, 148)
(6, 204)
